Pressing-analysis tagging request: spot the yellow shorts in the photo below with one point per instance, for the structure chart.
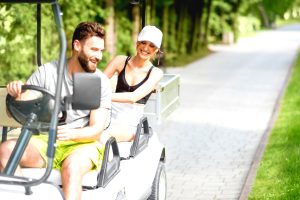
(65, 148)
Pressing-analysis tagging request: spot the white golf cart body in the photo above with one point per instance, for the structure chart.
(135, 178)
(130, 170)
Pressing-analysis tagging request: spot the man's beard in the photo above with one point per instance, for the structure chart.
(84, 62)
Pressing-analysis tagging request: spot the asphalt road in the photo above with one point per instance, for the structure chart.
(227, 102)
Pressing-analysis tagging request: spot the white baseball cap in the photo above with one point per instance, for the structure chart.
(151, 34)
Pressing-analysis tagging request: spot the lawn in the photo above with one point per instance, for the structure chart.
(278, 175)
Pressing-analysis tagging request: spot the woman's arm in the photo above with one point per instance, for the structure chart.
(147, 87)
(115, 65)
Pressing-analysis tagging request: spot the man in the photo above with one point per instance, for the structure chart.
(78, 150)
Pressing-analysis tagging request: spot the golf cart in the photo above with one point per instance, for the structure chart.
(130, 170)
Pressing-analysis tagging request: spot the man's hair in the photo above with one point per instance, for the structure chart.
(85, 30)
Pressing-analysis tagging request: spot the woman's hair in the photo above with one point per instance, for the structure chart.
(86, 30)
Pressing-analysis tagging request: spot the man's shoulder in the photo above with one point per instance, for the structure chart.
(103, 77)
(101, 74)
(49, 66)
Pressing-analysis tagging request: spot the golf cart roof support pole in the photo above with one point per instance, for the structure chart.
(38, 34)
(62, 62)
(54, 117)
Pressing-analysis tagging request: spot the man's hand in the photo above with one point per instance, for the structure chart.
(14, 88)
(64, 133)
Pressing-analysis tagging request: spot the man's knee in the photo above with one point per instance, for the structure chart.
(5, 151)
(6, 148)
(75, 166)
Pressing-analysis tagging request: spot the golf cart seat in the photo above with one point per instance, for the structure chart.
(93, 179)
(122, 150)
(39, 103)
(89, 180)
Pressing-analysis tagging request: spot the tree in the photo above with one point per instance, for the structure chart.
(276, 8)
(110, 29)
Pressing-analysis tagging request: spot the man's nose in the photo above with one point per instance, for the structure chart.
(98, 55)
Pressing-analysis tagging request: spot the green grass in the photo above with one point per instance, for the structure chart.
(282, 22)
(278, 176)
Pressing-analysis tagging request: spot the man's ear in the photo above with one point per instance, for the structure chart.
(77, 45)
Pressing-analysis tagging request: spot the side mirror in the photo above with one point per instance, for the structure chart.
(86, 91)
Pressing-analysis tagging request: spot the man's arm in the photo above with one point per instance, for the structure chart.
(98, 119)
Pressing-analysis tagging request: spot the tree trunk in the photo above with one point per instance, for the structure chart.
(136, 22)
(180, 28)
(148, 13)
(196, 39)
(165, 26)
(185, 33)
(206, 24)
(152, 14)
(235, 25)
(171, 39)
(263, 15)
(110, 36)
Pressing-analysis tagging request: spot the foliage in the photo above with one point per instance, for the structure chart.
(276, 8)
(188, 26)
(17, 44)
(124, 27)
(248, 24)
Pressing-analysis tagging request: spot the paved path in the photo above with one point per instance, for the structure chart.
(227, 101)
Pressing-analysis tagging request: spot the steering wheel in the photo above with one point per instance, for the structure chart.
(34, 109)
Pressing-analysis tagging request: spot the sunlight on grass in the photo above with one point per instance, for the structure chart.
(282, 22)
(278, 176)
(184, 60)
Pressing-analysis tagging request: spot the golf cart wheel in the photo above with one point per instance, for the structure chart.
(159, 185)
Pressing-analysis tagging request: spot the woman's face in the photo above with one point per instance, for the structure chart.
(146, 49)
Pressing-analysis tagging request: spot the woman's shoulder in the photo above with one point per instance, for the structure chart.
(118, 61)
(157, 70)
(120, 58)
(115, 65)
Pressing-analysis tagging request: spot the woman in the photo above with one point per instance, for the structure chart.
(137, 78)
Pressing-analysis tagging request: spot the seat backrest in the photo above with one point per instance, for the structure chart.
(5, 119)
